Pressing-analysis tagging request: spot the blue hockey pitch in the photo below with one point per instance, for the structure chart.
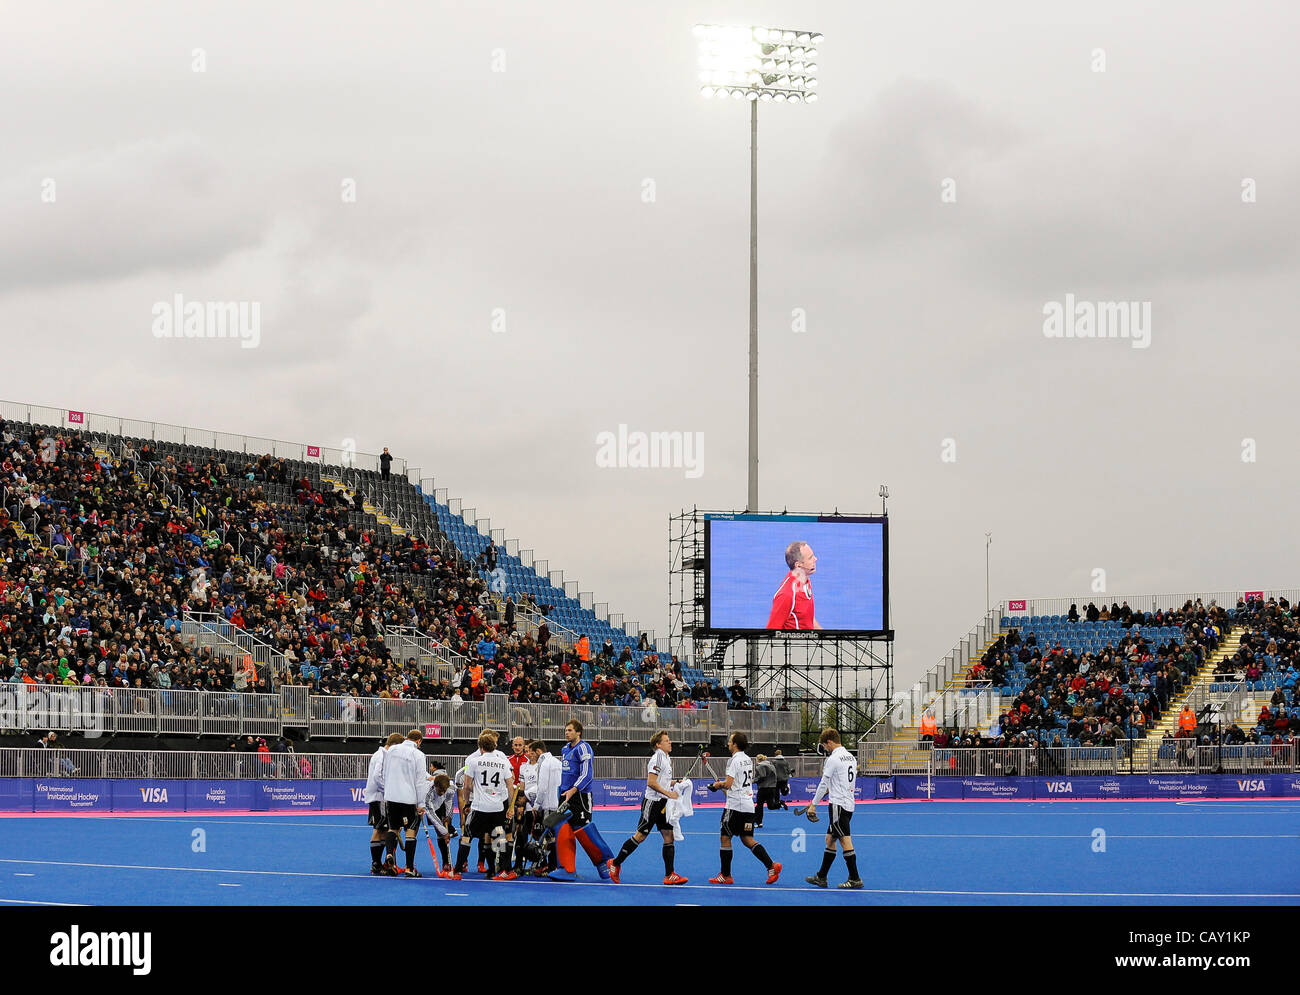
(922, 853)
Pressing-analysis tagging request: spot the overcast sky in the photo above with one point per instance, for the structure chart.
(526, 190)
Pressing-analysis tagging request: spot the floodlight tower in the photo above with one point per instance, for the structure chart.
(760, 65)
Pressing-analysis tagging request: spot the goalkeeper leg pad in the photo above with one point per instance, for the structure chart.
(597, 849)
(566, 850)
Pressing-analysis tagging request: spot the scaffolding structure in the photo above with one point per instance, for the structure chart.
(853, 675)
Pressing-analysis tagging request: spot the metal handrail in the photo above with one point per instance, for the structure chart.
(939, 679)
(1037, 607)
(116, 426)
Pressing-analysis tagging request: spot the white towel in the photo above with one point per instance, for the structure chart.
(680, 808)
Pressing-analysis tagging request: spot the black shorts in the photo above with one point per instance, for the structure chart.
(402, 816)
(579, 810)
(377, 817)
(737, 823)
(839, 827)
(481, 824)
(654, 815)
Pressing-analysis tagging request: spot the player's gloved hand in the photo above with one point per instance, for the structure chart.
(715, 786)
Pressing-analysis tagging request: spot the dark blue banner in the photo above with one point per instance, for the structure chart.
(15, 794)
(219, 796)
(1087, 788)
(275, 796)
(71, 794)
(997, 788)
(148, 796)
(343, 794)
(908, 788)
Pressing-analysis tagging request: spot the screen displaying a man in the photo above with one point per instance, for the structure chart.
(792, 605)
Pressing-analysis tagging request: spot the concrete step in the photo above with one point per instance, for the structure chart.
(1169, 720)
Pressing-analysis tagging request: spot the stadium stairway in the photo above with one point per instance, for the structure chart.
(1169, 720)
(903, 751)
(366, 506)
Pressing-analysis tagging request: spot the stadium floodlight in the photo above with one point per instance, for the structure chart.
(761, 65)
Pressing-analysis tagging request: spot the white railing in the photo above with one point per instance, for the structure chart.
(113, 425)
(374, 718)
(211, 629)
(1142, 756)
(1141, 602)
(248, 765)
(908, 706)
(103, 711)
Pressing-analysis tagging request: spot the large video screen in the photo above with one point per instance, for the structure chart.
(796, 573)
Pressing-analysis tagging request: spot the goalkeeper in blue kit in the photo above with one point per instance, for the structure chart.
(576, 780)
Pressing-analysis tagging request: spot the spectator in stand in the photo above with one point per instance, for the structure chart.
(385, 463)
(297, 575)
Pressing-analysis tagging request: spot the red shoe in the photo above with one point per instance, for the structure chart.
(773, 874)
(722, 879)
(678, 879)
(482, 867)
(455, 875)
(507, 876)
(613, 871)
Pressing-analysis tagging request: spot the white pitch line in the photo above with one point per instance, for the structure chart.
(1065, 836)
(24, 901)
(571, 885)
(224, 884)
(23, 874)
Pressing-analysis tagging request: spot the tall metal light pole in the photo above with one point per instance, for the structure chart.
(988, 541)
(761, 65)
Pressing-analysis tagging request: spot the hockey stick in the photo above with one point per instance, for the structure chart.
(809, 811)
(433, 851)
(691, 769)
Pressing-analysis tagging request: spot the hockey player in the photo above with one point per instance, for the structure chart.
(654, 810)
(738, 814)
(373, 796)
(839, 774)
(575, 789)
(439, 803)
(489, 782)
(404, 791)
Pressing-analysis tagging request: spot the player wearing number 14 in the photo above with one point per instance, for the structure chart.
(490, 784)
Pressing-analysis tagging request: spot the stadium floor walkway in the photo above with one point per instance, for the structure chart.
(910, 853)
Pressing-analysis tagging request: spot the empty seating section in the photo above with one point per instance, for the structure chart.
(520, 579)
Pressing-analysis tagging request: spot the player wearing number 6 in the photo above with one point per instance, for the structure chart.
(838, 776)
(489, 782)
(738, 815)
